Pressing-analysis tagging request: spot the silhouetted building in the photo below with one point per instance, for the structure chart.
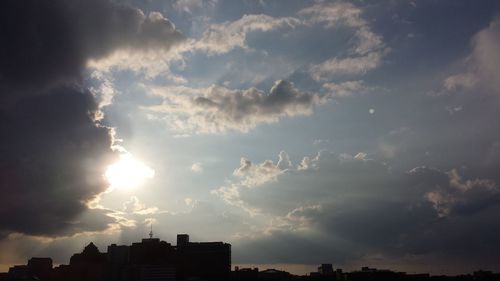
(118, 254)
(152, 259)
(61, 273)
(151, 251)
(182, 240)
(373, 274)
(41, 268)
(274, 275)
(339, 275)
(484, 275)
(118, 262)
(205, 260)
(155, 260)
(417, 277)
(20, 273)
(325, 269)
(326, 273)
(89, 265)
(245, 274)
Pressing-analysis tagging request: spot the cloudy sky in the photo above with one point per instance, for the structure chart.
(301, 132)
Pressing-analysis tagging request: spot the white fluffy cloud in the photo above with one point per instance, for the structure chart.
(218, 109)
(257, 174)
(197, 168)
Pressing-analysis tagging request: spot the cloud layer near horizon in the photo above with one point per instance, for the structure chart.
(355, 207)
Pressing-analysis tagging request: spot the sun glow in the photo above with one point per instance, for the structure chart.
(128, 173)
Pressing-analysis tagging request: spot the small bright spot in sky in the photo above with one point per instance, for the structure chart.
(128, 173)
(371, 110)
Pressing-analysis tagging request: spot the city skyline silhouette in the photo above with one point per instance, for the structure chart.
(153, 259)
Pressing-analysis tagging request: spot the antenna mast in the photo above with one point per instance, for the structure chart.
(151, 232)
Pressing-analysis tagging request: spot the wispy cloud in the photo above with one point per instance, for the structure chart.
(347, 88)
(221, 38)
(190, 6)
(365, 55)
(345, 66)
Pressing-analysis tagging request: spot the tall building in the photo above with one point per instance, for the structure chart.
(20, 272)
(89, 265)
(182, 240)
(152, 260)
(61, 273)
(118, 254)
(325, 269)
(152, 251)
(205, 260)
(245, 274)
(118, 261)
(41, 268)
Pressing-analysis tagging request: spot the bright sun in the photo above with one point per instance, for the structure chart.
(128, 173)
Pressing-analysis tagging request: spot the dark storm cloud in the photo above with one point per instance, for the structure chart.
(46, 42)
(52, 152)
(53, 156)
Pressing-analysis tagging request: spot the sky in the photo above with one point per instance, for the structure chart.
(357, 133)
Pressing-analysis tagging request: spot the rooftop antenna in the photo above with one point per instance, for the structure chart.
(151, 232)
